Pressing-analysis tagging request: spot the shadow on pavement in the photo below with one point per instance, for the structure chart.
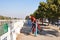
(51, 32)
(27, 29)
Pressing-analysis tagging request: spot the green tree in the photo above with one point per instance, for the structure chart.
(50, 9)
(27, 17)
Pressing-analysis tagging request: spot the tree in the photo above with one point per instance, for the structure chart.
(27, 17)
(50, 9)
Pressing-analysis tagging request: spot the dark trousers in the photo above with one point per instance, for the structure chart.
(34, 27)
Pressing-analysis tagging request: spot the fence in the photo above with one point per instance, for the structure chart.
(14, 27)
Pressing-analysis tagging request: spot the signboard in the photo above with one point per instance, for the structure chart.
(5, 27)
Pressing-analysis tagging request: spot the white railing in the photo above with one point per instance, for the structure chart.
(13, 29)
(4, 36)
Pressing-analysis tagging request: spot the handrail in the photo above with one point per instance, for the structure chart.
(10, 31)
(3, 36)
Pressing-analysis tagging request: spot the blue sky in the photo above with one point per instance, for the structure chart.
(18, 8)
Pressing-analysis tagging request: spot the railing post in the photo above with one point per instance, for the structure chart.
(9, 38)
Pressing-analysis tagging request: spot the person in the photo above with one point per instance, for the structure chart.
(33, 19)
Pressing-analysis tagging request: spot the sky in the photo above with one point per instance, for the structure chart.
(18, 8)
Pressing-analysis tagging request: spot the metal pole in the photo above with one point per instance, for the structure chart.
(36, 29)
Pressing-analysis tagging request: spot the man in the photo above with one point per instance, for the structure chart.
(33, 19)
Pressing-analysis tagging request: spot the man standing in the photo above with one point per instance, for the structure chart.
(33, 19)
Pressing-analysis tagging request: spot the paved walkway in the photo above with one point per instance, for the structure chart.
(39, 37)
(46, 34)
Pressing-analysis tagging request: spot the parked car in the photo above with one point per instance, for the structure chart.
(57, 23)
(45, 21)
